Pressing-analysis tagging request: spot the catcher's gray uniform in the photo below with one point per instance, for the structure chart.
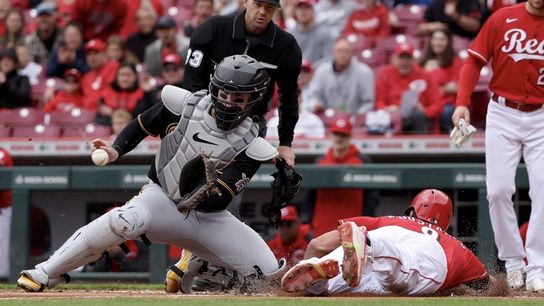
(212, 234)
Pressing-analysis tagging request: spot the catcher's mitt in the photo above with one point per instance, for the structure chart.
(197, 178)
(285, 186)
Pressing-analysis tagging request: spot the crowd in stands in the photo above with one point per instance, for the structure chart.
(66, 66)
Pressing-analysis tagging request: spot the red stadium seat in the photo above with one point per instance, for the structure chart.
(388, 44)
(90, 130)
(409, 14)
(360, 42)
(5, 131)
(372, 58)
(73, 118)
(460, 43)
(24, 116)
(37, 131)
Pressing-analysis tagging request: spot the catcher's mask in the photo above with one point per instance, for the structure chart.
(433, 206)
(236, 75)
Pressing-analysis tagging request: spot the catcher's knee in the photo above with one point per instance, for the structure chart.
(129, 221)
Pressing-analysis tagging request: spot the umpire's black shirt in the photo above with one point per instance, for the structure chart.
(221, 36)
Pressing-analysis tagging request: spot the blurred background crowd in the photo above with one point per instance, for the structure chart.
(72, 68)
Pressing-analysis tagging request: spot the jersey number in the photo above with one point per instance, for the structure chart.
(540, 80)
(429, 231)
(194, 58)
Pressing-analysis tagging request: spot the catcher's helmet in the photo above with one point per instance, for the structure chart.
(433, 206)
(237, 74)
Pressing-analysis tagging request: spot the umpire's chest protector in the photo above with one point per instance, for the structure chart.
(197, 133)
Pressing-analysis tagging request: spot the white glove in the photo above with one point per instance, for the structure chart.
(461, 134)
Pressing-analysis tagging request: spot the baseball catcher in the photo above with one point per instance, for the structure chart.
(209, 151)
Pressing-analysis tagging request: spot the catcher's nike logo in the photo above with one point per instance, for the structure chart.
(510, 20)
(196, 138)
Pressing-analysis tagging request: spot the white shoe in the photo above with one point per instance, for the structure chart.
(536, 285)
(514, 279)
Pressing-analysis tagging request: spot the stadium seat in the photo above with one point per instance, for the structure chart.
(460, 43)
(388, 44)
(73, 118)
(409, 14)
(5, 131)
(359, 42)
(23, 116)
(90, 130)
(37, 131)
(372, 58)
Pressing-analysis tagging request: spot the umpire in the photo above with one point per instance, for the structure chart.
(251, 32)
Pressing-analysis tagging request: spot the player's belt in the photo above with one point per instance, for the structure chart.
(526, 108)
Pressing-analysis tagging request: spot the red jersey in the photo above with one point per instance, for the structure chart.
(122, 99)
(63, 101)
(293, 252)
(373, 23)
(514, 40)
(99, 19)
(5, 161)
(390, 85)
(445, 75)
(332, 204)
(462, 265)
(94, 82)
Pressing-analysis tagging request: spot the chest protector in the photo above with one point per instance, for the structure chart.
(197, 133)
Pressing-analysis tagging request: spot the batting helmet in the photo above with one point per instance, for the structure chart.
(433, 206)
(237, 74)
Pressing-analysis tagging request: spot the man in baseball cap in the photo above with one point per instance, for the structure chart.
(95, 45)
(404, 49)
(291, 238)
(172, 69)
(341, 126)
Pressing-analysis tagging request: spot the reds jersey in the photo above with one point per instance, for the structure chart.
(514, 39)
(462, 265)
(373, 23)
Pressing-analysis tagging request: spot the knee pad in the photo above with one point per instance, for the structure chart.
(129, 222)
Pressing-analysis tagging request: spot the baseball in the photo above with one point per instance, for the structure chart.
(100, 157)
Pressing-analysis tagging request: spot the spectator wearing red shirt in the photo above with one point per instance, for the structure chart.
(70, 96)
(102, 72)
(404, 82)
(5, 217)
(99, 18)
(124, 92)
(372, 20)
(291, 237)
(334, 204)
(129, 25)
(444, 66)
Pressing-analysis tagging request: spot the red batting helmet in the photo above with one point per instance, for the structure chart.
(433, 206)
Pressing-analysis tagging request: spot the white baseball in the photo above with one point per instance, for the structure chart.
(100, 157)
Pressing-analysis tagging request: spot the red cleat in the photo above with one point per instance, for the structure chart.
(354, 244)
(307, 272)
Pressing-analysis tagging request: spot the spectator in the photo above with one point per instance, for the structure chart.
(333, 14)
(99, 18)
(371, 20)
(291, 238)
(119, 119)
(5, 218)
(123, 93)
(69, 53)
(403, 87)
(315, 40)
(202, 10)
(47, 35)
(14, 88)
(172, 74)
(344, 84)
(335, 204)
(169, 42)
(130, 24)
(27, 67)
(65, 8)
(116, 51)
(14, 33)
(304, 79)
(444, 66)
(100, 76)
(461, 17)
(5, 7)
(309, 125)
(69, 97)
(138, 41)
